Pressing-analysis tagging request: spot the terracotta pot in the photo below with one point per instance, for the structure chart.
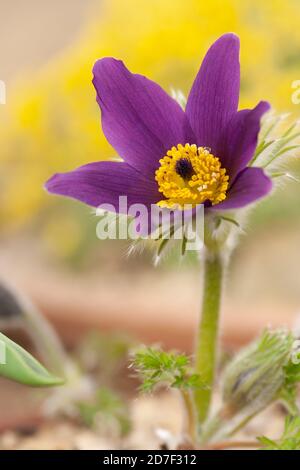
(161, 309)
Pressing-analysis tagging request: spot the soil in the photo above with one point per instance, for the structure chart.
(151, 430)
(64, 433)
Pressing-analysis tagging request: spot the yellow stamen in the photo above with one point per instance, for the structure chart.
(190, 175)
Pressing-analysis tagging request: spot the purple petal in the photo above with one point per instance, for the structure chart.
(250, 184)
(241, 138)
(138, 118)
(214, 97)
(102, 183)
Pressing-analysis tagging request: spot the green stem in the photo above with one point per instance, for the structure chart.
(49, 345)
(208, 331)
(190, 423)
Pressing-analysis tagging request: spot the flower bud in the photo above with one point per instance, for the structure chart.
(255, 376)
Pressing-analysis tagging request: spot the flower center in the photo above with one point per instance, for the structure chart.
(184, 168)
(190, 175)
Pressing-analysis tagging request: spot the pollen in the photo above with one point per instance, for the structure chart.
(190, 175)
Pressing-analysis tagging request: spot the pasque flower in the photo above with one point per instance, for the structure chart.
(173, 157)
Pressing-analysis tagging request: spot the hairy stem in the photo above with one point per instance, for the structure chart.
(190, 425)
(206, 347)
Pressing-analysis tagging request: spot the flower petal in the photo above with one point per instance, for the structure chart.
(139, 119)
(102, 183)
(250, 184)
(214, 97)
(241, 138)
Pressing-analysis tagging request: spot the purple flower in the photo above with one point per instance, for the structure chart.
(173, 157)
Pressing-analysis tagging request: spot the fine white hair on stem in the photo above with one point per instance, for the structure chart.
(279, 141)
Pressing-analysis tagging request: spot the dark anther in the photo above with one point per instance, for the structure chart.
(184, 168)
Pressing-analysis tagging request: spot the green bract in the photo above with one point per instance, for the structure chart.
(18, 365)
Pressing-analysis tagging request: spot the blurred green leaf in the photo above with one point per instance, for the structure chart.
(289, 392)
(106, 411)
(18, 365)
(290, 439)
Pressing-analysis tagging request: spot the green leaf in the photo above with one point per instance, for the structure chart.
(292, 373)
(260, 149)
(288, 393)
(268, 444)
(274, 142)
(288, 397)
(156, 367)
(230, 220)
(279, 174)
(290, 439)
(18, 365)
